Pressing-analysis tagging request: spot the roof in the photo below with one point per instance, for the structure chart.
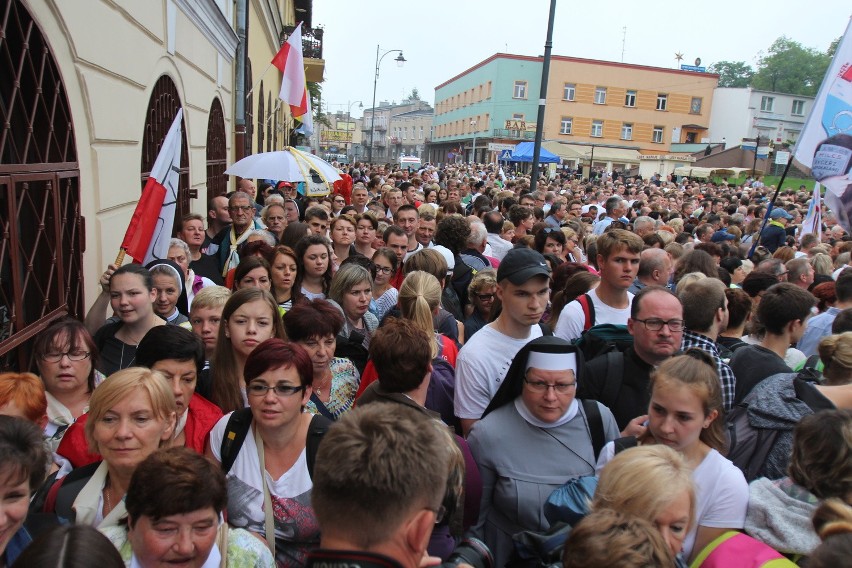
(423, 111)
(497, 56)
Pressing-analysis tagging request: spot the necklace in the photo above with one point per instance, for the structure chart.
(319, 390)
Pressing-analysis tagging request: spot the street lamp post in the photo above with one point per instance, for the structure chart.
(400, 60)
(473, 151)
(349, 123)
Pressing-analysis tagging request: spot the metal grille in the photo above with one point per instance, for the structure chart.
(162, 108)
(260, 119)
(249, 110)
(217, 152)
(41, 229)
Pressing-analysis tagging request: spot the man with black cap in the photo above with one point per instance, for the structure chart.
(523, 288)
(775, 233)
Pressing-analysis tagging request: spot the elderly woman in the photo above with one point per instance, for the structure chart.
(174, 503)
(533, 438)
(179, 253)
(351, 290)
(269, 468)
(130, 416)
(315, 326)
(66, 357)
(23, 462)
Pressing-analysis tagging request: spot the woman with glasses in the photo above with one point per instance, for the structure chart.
(384, 295)
(482, 291)
(269, 480)
(534, 437)
(66, 357)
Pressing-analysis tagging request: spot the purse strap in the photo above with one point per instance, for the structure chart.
(269, 521)
(222, 543)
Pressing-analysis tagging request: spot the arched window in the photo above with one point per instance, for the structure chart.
(260, 119)
(162, 108)
(249, 110)
(41, 229)
(217, 151)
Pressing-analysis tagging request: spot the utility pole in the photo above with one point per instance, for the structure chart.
(542, 98)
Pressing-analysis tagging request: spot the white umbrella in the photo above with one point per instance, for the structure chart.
(289, 164)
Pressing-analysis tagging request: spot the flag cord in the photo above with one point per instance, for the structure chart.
(755, 241)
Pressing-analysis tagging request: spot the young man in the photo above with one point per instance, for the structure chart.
(407, 219)
(378, 488)
(618, 259)
(783, 311)
(218, 218)
(396, 240)
(523, 287)
(317, 219)
(205, 315)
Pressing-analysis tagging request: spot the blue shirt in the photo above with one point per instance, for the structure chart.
(816, 328)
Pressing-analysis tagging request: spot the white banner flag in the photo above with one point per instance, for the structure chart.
(813, 220)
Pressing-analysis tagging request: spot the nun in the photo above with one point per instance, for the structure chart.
(533, 438)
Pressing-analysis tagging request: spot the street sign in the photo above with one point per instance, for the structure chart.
(495, 147)
(782, 157)
(694, 68)
(506, 155)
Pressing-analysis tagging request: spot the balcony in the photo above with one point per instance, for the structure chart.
(311, 51)
(395, 140)
(514, 134)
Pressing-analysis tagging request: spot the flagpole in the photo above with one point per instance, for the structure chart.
(259, 81)
(120, 258)
(755, 241)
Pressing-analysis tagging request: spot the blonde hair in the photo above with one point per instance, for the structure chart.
(822, 264)
(210, 297)
(419, 297)
(119, 386)
(643, 481)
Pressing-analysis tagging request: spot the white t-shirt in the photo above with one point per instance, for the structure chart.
(481, 366)
(295, 523)
(721, 494)
(572, 319)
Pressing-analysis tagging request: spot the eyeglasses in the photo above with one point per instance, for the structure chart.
(72, 356)
(485, 297)
(440, 513)
(656, 324)
(260, 389)
(382, 269)
(540, 386)
(241, 208)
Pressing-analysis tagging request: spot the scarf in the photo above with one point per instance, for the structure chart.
(233, 258)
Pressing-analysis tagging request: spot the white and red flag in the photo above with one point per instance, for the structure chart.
(147, 237)
(294, 89)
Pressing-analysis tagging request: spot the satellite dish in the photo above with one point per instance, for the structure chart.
(698, 62)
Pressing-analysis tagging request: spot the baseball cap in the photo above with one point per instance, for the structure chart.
(521, 264)
(778, 213)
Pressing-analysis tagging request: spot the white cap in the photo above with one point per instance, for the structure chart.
(552, 361)
(448, 256)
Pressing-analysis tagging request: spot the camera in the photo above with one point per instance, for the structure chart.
(470, 551)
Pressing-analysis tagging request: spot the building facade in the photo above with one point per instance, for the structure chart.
(378, 134)
(410, 133)
(740, 113)
(495, 101)
(84, 123)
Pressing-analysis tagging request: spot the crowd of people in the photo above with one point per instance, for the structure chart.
(440, 365)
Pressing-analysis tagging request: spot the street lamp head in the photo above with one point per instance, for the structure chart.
(400, 60)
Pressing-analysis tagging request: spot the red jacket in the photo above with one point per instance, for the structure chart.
(202, 416)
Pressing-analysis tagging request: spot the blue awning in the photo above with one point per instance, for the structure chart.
(523, 152)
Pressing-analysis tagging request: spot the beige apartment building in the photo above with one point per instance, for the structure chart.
(619, 116)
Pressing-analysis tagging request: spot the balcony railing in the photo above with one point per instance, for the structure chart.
(514, 134)
(311, 41)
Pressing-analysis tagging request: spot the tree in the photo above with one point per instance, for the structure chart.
(732, 73)
(415, 94)
(788, 67)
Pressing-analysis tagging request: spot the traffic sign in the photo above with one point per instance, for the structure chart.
(495, 147)
(694, 68)
(505, 155)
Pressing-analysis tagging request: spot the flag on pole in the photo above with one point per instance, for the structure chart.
(294, 88)
(825, 145)
(147, 237)
(813, 220)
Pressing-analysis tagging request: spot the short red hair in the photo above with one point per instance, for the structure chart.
(26, 391)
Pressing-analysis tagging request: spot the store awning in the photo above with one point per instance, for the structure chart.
(601, 153)
(523, 152)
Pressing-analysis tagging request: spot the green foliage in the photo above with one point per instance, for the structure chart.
(415, 94)
(732, 73)
(788, 67)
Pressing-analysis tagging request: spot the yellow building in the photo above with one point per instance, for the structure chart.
(624, 112)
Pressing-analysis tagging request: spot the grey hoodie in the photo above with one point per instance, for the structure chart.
(779, 514)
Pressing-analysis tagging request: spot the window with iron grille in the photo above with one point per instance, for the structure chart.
(217, 151)
(249, 136)
(261, 119)
(41, 228)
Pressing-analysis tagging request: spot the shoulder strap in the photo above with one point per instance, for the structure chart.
(613, 378)
(596, 428)
(811, 362)
(235, 434)
(321, 407)
(588, 311)
(545, 329)
(319, 426)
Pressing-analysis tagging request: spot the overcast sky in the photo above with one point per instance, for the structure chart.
(442, 38)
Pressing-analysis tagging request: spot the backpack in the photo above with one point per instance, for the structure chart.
(599, 339)
(749, 446)
(237, 429)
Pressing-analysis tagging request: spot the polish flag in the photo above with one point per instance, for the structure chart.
(150, 230)
(294, 91)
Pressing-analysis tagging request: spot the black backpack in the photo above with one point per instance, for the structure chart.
(599, 339)
(749, 446)
(237, 429)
